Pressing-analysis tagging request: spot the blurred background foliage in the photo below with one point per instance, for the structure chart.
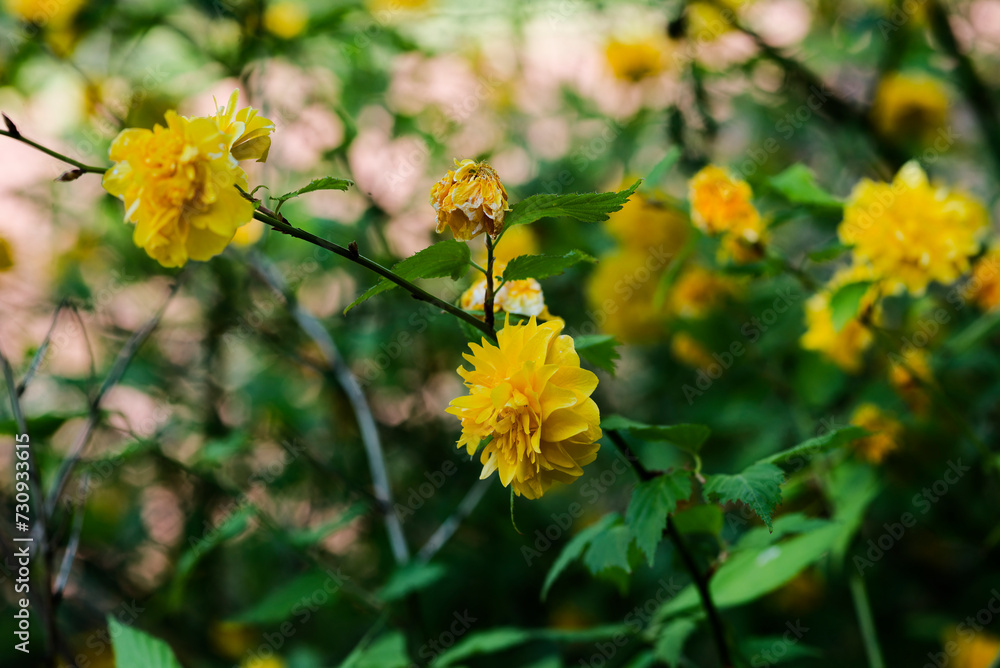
(225, 496)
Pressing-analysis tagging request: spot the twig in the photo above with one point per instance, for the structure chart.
(359, 404)
(488, 314)
(71, 548)
(865, 622)
(450, 525)
(36, 361)
(83, 168)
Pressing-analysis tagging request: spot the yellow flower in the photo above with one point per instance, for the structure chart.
(621, 292)
(697, 291)
(910, 232)
(970, 649)
(720, 204)
(644, 223)
(909, 107)
(177, 183)
(249, 234)
(530, 395)
(638, 59)
(886, 431)
(470, 200)
(286, 19)
(6, 255)
(522, 297)
(983, 287)
(249, 134)
(45, 13)
(231, 639)
(706, 20)
(688, 350)
(516, 241)
(844, 348)
(263, 662)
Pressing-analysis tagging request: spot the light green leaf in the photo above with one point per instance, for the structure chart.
(387, 651)
(445, 258)
(798, 185)
(670, 643)
(411, 578)
(687, 437)
(325, 183)
(585, 207)
(609, 549)
(574, 548)
(601, 350)
(662, 167)
(759, 487)
(846, 301)
(812, 447)
(504, 638)
(135, 648)
(652, 501)
(281, 602)
(542, 266)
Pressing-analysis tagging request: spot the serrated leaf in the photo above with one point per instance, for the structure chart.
(324, 183)
(828, 441)
(284, 599)
(652, 501)
(574, 548)
(845, 303)
(134, 648)
(609, 549)
(798, 185)
(670, 643)
(585, 207)
(758, 487)
(687, 437)
(445, 258)
(542, 266)
(601, 350)
(412, 577)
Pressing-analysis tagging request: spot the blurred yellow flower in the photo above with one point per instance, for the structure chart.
(263, 662)
(910, 107)
(708, 20)
(971, 649)
(912, 233)
(529, 393)
(886, 431)
(720, 205)
(522, 297)
(232, 639)
(983, 288)
(697, 291)
(908, 373)
(386, 8)
(621, 292)
(249, 134)
(177, 183)
(637, 59)
(516, 241)
(688, 350)
(644, 223)
(6, 255)
(470, 200)
(286, 19)
(249, 234)
(45, 13)
(844, 348)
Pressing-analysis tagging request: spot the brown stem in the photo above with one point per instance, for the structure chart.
(488, 299)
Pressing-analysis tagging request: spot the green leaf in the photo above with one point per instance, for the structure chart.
(798, 185)
(283, 600)
(687, 437)
(542, 266)
(445, 258)
(574, 548)
(828, 253)
(828, 441)
(601, 350)
(609, 549)
(670, 643)
(759, 487)
(135, 648)
(845, 302)
(662, 167)
(325, 183)
(388, 651)
(703, 518)
(411, 578)
(231, 527)
(585, 207)
(652, 501)
(792, 649)
(503, 638)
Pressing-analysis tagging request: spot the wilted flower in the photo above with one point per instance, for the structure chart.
(912, 233)
(177, 183)
(638, 59)
(286, 19)
(470, 200)
(530, 395)
(885, 429)
(249, 134)
(909, 107)
(523, 297)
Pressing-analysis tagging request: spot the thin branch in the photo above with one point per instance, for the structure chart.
(359, 404)
(83, 168)
(488, 298)
(74, 543)
(36, 361)
(450, 525)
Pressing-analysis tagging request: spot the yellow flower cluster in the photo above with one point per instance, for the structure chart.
(910, 232)
(530, 395)
(845, 347)
(470, 200)
(720, 205)
(909, 107)
(636, 60)
(886, 432)
(178, 182)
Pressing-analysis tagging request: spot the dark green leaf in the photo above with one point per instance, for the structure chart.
(410, 578)
(585, 207)
(574, 548)
(652, 501)
(542, 266)
(798, 185)
(504, 638)
(759, 487)
(670, 643)
(325, 183)
(828, 441)
(699, 519)
(828, 253)
(845, 302)
(284, 599)
(687, 437)
(387, 651)
(609, 549)
(445, 258)
(601, 350)
(135, 648)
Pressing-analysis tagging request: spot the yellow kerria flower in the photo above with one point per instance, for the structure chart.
(971, 649)
(688, 350)
(912, 233)
(470, 200)
(983, 287)
(708, 20)
(697, 291)
(844, 348)
(638, 59)
(286, 19)
(177, 183)
(530, 395)
(909, 107)
(45, 13)
(720, 205)
(886, 431)
(621, 292)
(249, 134)
(644, 223)
(523, 297)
